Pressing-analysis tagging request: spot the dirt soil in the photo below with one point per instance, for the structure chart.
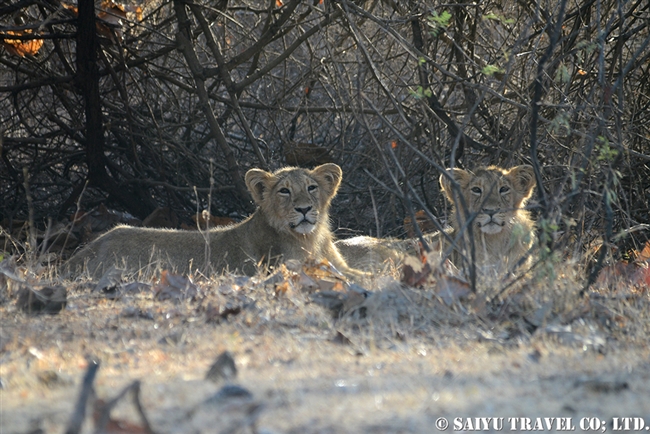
(396, 365)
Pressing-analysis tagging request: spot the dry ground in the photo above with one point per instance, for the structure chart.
(395, 366)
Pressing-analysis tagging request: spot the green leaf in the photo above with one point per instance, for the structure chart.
(490, 70)
(560, 124)
(438, 22)
(500, 18)
(605, 152)
(562, 74)
(420, 93)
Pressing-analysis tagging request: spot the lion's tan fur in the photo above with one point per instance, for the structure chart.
(502, 229)
(290, 223)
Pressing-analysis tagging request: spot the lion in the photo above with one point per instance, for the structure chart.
(291, 223)
(502, 228)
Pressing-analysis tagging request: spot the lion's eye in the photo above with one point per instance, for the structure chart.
(504, 189)
(476, 190)
(284, 191)
(312, 187)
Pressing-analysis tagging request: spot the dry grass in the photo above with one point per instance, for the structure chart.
(394, 363)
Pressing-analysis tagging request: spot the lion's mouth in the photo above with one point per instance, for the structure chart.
(304, 226)
(491, 223)
(301, 222)
(491, 227)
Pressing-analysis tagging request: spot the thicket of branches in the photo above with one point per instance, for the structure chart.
(135, 113)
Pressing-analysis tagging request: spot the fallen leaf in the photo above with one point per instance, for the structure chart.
(219, 313)
(322, 269)
(452, 289)
(415, 271)
(109, 281)
(22, 47)
(604, 385)
(641, 276)
(624, 276)
(355, 297)
(174, 287)
(644, 254)
(134, 312)
(49, 300)
(341, 302)
(223, 368)
(115, 426)
(232, 409)
(340, 338)
(320, 276)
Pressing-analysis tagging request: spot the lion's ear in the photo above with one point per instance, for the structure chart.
(257, 182)
(329, 176)
(462, 177)
(523, 178)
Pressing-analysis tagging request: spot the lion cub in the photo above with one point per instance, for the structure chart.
(495, 198)
(290, 223)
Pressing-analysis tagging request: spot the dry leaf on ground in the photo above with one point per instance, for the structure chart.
(175, 287)
(452, 289)
(51, 299)
(416, 271)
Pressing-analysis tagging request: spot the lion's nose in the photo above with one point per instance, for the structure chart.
(304, 210)
(490, 212)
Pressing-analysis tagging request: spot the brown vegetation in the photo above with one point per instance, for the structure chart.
(174, 107)
(112, 112)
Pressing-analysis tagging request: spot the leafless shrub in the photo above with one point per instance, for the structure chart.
(392, 91)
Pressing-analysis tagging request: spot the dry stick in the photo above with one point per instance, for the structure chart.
(177, 188)
(609, 215)
(374, 210)
(130, 121)
(607, 197)
(206, 233)
(434, 103)
(183, 38)
(357, 36)
(16, 6)
(289, 108)
(271, 34)
(286, 53)
(253, 65)
(227, 80)
(138, 406)
(405, 141)
(457, 150)
(76, 214)
(79, 414)
(609, 225)
(407, 199)
(402, 195)
(105, 416)
(88, 80)
(535, 104)
(30, 209)
(462, 230)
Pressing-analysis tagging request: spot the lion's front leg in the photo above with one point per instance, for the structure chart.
(333, 255)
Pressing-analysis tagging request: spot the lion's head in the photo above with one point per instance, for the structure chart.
(295, 200)
(495, 196)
